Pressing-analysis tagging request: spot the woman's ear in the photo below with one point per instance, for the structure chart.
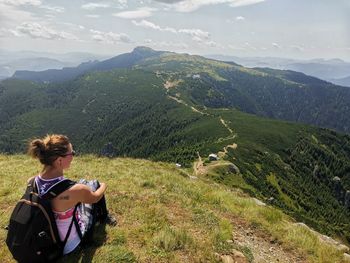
(58, 162)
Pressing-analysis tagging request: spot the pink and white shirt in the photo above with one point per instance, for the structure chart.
(63, 219)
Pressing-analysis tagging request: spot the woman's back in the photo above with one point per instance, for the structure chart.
(63, 211)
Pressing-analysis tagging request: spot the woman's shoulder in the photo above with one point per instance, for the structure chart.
(79, 187)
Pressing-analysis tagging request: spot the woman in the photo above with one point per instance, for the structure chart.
(56, 153)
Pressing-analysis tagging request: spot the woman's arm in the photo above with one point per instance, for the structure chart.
(82, 193)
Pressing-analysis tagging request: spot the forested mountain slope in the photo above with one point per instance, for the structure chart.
(175, 107)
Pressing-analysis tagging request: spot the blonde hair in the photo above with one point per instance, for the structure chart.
(49, 148)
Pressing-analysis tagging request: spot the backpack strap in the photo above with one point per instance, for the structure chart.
(31, 186)
(64, 242)
(57, 189)
(77, 226)
(54, 191)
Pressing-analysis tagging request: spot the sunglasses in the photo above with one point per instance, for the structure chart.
(73, 153)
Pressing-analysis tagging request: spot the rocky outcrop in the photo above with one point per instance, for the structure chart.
(233, 169)
(258, 202)
(235, 257)
(339, 246)
(342, 195)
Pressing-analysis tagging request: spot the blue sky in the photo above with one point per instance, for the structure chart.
(300, 29)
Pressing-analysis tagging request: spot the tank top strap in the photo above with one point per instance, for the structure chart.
(43, 185)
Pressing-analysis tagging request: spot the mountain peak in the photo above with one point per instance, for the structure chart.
(145, 51)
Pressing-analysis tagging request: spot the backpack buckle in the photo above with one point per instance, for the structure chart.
(42, 234)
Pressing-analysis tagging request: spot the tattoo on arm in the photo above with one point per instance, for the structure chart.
(65, 197)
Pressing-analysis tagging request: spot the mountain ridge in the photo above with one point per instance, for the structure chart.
(121, 61)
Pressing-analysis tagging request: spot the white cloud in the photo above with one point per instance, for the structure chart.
(21, 2)
(14, 33)
(249, 46)
(93, 6)
(237, 3)
(53, 9)
(192, 5)
(275, 45)
(165, 44)
(9, 32)
(10, 15)
(72, 26)
(200, 37)
(122, 4)
(196, 33)
(212, 44)
(92, 16)
(139, 13)
(236, 20)
(297, 48)
(49, 16)
(35, 30)
(110, 37)
(148, 24)
(235, 47)
(209, 43)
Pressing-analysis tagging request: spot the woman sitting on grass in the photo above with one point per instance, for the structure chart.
(56, 153)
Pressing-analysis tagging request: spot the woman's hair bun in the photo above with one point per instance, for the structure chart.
(36, 148)
(49, 148)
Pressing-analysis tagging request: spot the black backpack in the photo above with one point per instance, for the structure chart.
(32, 232)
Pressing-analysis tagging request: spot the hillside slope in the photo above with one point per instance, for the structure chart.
(143, 114)
(172, 107)
(166, 215)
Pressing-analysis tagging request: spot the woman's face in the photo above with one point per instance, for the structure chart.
(66, 159)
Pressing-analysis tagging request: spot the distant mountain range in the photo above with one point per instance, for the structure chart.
(281, 94)
(11, 61)
(53, 75)
(336, 71)
(342, 82)
(173, 107)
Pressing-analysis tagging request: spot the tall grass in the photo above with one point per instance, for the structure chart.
(162, 215)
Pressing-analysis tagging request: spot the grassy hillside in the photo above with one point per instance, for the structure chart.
(165, 216)
(148, 115)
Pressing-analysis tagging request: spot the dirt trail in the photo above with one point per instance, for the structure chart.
(184, 103)
(263, 246)
(198, 167)
(223, 154)
(168, 84)
(225, 124)
(171, 84)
